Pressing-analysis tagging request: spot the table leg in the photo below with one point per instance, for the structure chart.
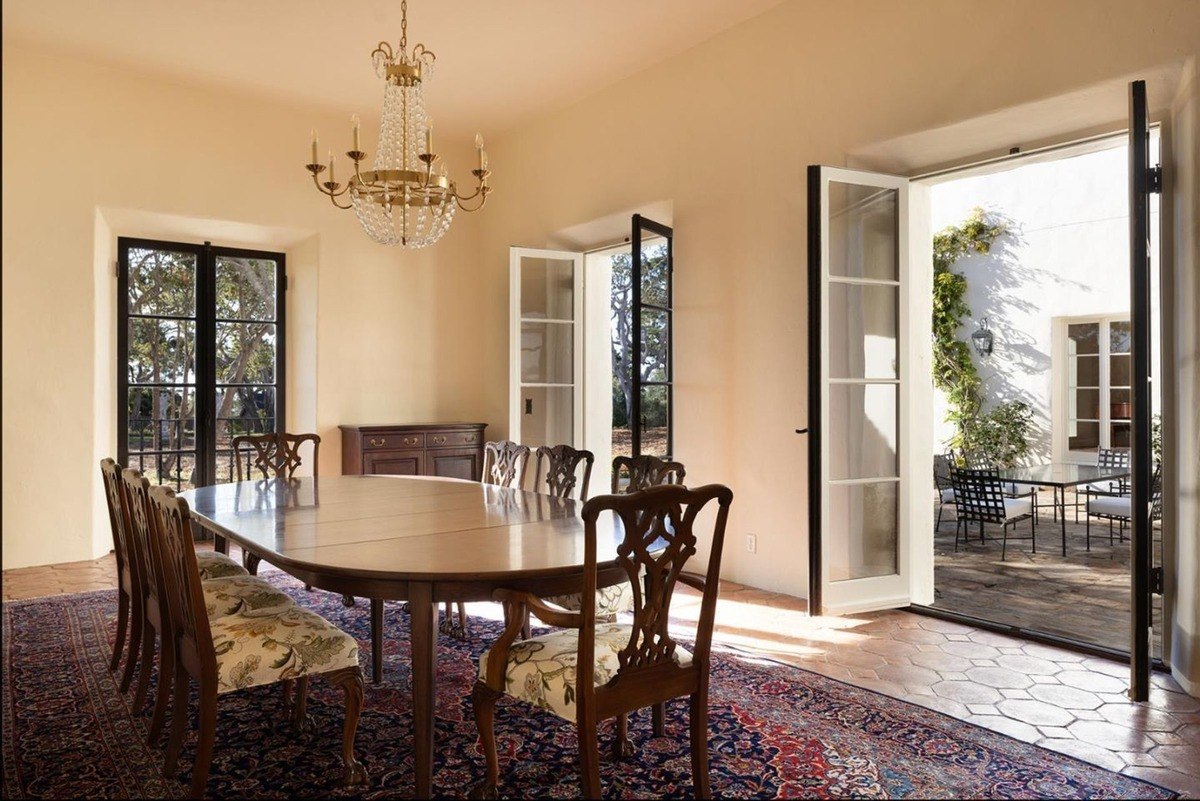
(423, 614)
(1063, 496)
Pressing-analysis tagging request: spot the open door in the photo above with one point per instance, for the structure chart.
(1144, 180)
(545, 347)
(652, 400)
(870, 392)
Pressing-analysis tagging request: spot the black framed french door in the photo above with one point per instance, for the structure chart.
(1144, 180)
(652, 401)
(200, 356)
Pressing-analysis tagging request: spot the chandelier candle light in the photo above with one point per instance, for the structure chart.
(407, 199)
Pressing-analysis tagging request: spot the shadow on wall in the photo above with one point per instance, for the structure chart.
(1005, 289)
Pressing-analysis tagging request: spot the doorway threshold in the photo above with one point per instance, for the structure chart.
(1033, 635)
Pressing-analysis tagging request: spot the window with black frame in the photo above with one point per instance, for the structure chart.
(652, 382)
(200, 356)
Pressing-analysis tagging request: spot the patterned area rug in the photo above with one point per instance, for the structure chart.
(774, 730)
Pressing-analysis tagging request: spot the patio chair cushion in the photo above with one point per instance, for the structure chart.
(1105, 488)
(270, 645)
(948, 495)
(1016, 507)
(1018, 490)
(1111, 505)
(217, 565)
(235, 594)
(541, 670)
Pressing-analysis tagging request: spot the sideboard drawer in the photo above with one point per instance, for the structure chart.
(394, 439)
(452, 439)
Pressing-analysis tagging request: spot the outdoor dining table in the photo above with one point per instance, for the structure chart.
(1059, 476)
(421, 540)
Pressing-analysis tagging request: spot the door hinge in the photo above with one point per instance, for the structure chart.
(1156, 580)
(1154, 179)
(117, 268)
(285, 283)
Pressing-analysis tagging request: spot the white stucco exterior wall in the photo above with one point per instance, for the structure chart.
(1065, 254)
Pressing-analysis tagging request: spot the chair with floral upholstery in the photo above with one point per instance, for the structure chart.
(129, 576)
(251, 647)
(133, 499)
(586, 672)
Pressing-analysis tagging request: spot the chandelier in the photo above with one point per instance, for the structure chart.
(407, 198)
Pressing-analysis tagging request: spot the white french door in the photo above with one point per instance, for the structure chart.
(870, 435)
(545, 347)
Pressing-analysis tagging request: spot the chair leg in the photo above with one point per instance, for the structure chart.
(589, 762)
(351, 682)
(938, 525)
(698, 721)
(526, 632)
(376, 640)
(162, 694)
(957, 529)
(462, 617)
(206, 738)
(622, 745)
(1033, 534)
(122, 625)
(137, 625)
(1087, 527)
(658, 718)
(483, 700)
(143, 687)
(301, 722)
(179, 721)
(1004, 544)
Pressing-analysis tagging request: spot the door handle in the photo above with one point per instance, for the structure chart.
(801, 430)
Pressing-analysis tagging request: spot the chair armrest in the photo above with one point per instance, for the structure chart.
(693, 581)
(540, 609)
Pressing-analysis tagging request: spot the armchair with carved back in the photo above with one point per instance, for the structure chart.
(618, 668)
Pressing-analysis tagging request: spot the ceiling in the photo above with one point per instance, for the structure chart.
(497, 62)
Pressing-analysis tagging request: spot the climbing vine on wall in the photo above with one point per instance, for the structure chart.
(1000, 435)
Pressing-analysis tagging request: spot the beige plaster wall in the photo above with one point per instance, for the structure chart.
(725, 131)
(92, 152)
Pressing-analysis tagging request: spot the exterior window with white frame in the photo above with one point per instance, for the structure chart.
(1094, 372)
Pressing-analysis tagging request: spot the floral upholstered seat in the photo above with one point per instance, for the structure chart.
(217, 565)
(609, 601)
(237, 594)
(270, 645)
(541, 670)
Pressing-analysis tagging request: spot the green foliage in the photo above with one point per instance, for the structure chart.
(1001, 434)
(1156, 437)
(655, 333)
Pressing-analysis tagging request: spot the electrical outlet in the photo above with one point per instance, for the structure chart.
(752, 543)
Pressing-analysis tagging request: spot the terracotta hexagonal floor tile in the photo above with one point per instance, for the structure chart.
(1140, 716)
(966, 692)
(1110, 735)
(941, 661)
(1029, 665)
(1037, 713)
(1085, 751)
(971, 650)
(1066, 697)
(999, 677)
(1094, 682)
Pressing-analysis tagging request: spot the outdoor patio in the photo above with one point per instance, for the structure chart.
(1083, 596)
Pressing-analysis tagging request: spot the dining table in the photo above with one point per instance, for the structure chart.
(423, 540)
(1059, 476)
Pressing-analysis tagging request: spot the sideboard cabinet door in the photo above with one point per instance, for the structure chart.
(394, 463)
(454, 463)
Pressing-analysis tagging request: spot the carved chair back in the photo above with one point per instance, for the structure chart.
(129, 566)
(562, 471)
(172, 520)
(274, 455)
(504, 463)
(143, 538)
(658, 538)
(636, 473)
(978, 494)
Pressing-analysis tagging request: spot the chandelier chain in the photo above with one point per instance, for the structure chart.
(403, 25)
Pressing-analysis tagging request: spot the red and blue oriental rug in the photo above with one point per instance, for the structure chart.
(775, 731)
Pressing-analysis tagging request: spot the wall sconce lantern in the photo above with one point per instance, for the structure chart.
(982, 339)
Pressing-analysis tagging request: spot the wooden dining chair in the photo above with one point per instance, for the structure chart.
(636, 473)
(130, 592)
(227, 589)
(233, 652)
(588, 673)
(504, 465)
(560, 476)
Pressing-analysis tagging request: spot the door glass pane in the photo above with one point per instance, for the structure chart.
(655, 414)
(656, 279)
(1083, 371)
(1119, 367)
(863, 420)
(1120, 337)
(245, 353)
(1085, 404)
(547, 416)
(547, 353)
(245, 288)
(863, 232)
(868, 515)
(656, 345)
(162, 283)
(548, 288)
(161, 418)
(1083, 338)
(865, 342)
(161, 351)
(244, 410)
(1084, 437)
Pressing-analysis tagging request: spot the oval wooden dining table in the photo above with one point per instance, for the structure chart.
(421, 540)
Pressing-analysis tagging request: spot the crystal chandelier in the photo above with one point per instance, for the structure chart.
(407, 198)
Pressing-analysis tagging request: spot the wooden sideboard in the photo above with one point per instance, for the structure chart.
(450, 450)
